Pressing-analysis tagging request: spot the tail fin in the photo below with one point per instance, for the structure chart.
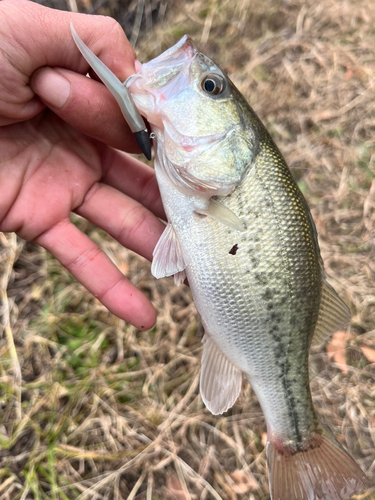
(322, 469)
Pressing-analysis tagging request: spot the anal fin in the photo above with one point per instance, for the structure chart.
(220, 381)
(167, 255)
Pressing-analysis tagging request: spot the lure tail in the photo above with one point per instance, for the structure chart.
(321, 469)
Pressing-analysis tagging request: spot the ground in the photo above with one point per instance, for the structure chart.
(92, 408)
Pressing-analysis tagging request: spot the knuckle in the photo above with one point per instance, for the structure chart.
(132, 223)
(117, 32)
(109, 24)
(103, 294)
(150, 192)
(112, 27)
(83, 259)
(92, 191)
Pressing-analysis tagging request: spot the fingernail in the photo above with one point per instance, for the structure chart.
(52, 87)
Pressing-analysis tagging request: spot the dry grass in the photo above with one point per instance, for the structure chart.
(92, 408)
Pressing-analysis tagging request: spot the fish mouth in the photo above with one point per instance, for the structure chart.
(163, 69)
(162, 78)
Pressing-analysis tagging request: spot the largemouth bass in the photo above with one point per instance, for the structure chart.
(240, 231)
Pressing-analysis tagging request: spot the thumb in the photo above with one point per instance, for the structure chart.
(85, 104)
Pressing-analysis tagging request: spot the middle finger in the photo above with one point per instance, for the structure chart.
(121, 216)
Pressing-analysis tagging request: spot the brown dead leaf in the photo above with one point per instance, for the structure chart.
(369, 353)
(124, 267)
(336, 349)
(323, 115)
(264, 439)
(243, 482)
(175, 488)
(353, 72)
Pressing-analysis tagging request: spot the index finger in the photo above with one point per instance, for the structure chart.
(42, 38)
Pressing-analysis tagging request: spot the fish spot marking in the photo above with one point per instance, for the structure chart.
(234, 249)
(268, 294)
(261, 279)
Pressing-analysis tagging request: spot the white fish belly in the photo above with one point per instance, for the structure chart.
(242, 289)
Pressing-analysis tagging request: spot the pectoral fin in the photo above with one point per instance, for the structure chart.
(333, 314)
(220, 382)
(167, 255)
(222, 214)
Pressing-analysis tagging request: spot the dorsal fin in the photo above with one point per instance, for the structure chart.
(333, 314)
(220, 382)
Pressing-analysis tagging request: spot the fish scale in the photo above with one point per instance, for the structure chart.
(238, 300)
(240, 230)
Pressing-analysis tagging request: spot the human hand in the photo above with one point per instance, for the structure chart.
(58, 131)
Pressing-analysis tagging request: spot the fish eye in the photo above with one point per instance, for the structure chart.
(213, 84)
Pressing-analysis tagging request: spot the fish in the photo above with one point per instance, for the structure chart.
(241, 233)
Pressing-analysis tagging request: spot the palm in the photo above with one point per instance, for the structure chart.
(56, 167)
(58, 160)
(49, 170)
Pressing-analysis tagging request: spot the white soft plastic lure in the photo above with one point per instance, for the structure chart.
(121, 94)
(240, 230)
